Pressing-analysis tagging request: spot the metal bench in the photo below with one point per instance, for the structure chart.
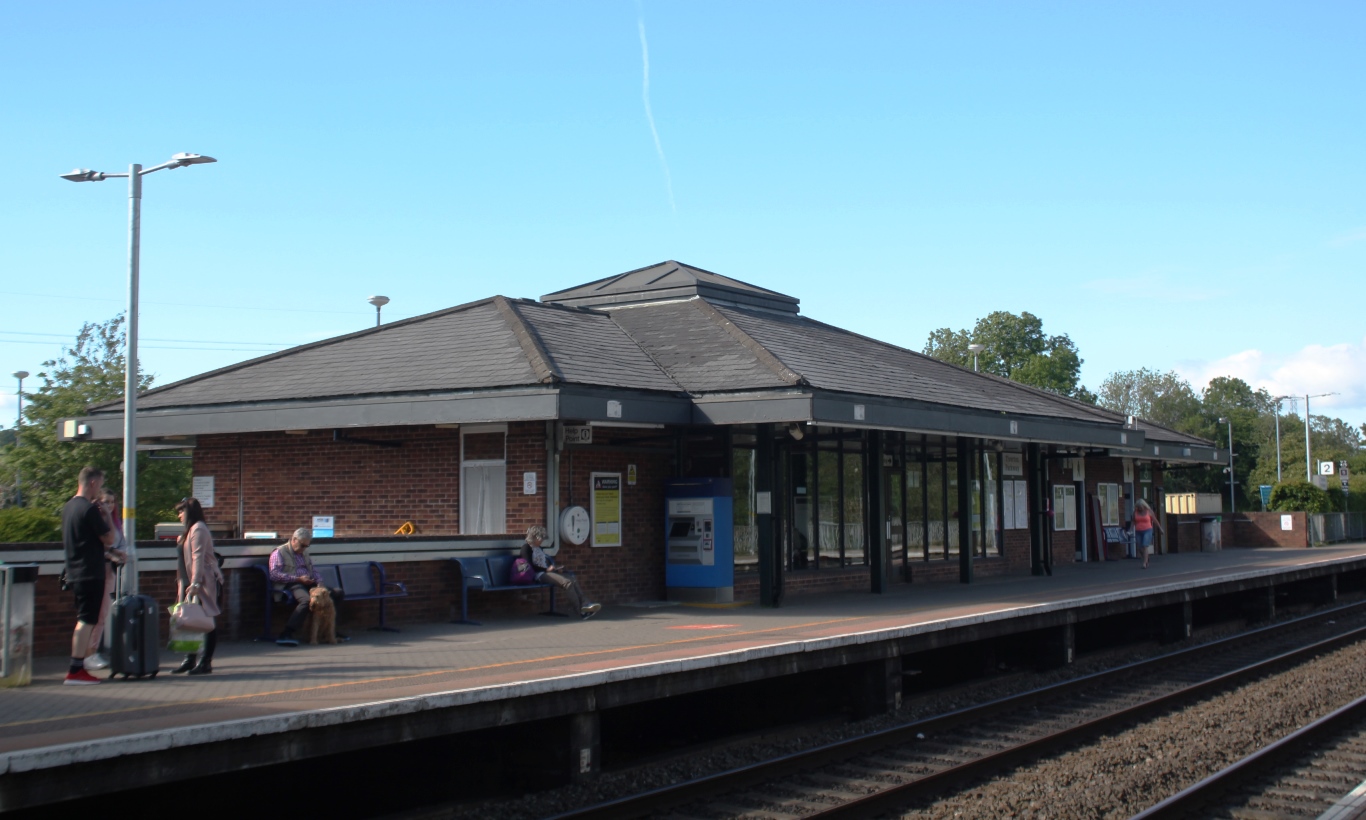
(360, 581)
(492, 574)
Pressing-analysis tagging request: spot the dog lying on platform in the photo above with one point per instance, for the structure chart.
(322, 617)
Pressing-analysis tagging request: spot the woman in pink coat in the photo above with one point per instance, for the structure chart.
(200, 577)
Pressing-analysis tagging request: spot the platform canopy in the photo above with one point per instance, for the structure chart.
(668, 344)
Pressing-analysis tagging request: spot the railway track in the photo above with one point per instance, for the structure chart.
(1310, 773)
(916, 762)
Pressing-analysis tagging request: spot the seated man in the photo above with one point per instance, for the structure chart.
(292, 572)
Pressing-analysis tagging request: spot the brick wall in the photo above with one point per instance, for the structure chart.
(369, 490)
(1264, 530)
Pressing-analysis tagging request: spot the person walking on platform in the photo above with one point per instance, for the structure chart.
(292, 574)
(548, 570)
(86, 535)
(199, 577)
(1144, 521)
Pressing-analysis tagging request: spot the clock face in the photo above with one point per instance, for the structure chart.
(574, 525)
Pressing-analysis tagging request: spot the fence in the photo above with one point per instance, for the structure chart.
(1332, 528)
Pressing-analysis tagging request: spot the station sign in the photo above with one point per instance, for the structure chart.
(1326, 468)
(578, 434)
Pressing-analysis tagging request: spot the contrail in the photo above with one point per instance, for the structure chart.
(649, 115)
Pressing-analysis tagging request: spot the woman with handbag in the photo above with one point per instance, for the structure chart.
(547, 570)
(199, 581)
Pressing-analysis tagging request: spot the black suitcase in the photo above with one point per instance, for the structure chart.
(136, 637)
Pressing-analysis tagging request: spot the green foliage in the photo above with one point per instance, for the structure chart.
(89, 373)
(1016, 348)
(1299, 496)
(1162, 398)
(21, 524)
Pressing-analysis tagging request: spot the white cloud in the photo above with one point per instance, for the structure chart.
(1312, 369)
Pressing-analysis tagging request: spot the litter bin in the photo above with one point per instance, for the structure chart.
(1211, 538)
(17, 583)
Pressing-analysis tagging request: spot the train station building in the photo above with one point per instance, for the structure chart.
(682, 434)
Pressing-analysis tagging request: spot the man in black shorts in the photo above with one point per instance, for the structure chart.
(86, 533)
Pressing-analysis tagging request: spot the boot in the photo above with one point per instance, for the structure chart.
(185, 665)
(204, 667)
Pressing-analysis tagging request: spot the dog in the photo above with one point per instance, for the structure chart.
(322, 616)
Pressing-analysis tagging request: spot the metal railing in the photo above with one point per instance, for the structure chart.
(1334, 528)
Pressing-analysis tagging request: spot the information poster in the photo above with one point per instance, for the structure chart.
(201, 487)
(606, 509)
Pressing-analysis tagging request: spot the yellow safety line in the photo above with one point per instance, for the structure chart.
(415, 675)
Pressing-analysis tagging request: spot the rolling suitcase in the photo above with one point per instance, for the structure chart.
(133, 652)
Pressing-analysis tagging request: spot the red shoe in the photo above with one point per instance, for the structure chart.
(79, 678)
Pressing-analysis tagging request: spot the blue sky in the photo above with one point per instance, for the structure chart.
(1174, 185)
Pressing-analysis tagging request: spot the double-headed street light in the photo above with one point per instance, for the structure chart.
(18, 420)
(130, 384)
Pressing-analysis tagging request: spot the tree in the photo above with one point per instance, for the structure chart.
(91, 372)
(1162, 398)
(1015, 348)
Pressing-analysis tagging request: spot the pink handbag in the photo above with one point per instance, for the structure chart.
(522, 572)
(189, 616)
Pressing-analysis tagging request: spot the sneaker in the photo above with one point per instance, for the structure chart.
(79, 678)
(97, 661)
(589, 611)
(285, 640)
(343, 638)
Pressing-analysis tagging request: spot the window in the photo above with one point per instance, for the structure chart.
(1064, 507)
(483, 479)
(746, 524)
(1108, 496)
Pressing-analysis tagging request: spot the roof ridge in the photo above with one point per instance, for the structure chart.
(542, 363)
(279, 354)
(606, 314)
(760, 352)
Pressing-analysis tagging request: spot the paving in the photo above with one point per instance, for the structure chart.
(259, 688)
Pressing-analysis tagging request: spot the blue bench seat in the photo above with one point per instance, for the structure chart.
(492, 574)
(359, 581)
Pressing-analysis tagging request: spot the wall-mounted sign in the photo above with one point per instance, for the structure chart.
(1287, 522)
(578, 434)
(1327, 468)
(201, 487)
(1012, 463)
(323, 526)
(613, 409)
(859, 412)
(606, 509)
(763, 503)
(528, 483)
(631, 475)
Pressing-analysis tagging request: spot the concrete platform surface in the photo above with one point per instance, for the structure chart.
(259, 689)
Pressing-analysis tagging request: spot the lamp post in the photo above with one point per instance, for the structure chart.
(18, 420)
(1232, 504)
(975, 348)
(130, 361)
(1308, 460)
(1278, 401)
(378, 302)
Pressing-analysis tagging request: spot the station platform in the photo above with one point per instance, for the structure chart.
(274, 704)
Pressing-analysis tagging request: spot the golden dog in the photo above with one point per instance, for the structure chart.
(322, 616)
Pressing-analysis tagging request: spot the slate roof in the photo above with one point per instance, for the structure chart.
(657, 331)
(670, 280)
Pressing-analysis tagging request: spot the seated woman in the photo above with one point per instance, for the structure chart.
(548, 570)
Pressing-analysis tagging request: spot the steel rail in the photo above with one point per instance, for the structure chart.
(677, 794)
(1185, 803)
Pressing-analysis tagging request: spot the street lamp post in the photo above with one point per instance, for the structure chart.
(18, 420)
(1278, 401)
(975, 348)
(130, 362)
(378, 302)
(1232, 503)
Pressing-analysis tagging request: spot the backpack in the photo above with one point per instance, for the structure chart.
(522, 572)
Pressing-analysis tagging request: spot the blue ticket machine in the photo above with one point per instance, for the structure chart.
(699, 547)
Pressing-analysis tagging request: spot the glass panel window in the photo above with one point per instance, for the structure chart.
(1108, 496)
(934, 484)
(803, 548)
(828, 470)
(915, 504)
(951, 501)
(854, 535)
(746, 530)
(992, 481)
(1064, 507)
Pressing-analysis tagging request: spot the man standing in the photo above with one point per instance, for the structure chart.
(86, 533)
(292, 573)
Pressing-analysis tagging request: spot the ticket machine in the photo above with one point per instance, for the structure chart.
(699, 547)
